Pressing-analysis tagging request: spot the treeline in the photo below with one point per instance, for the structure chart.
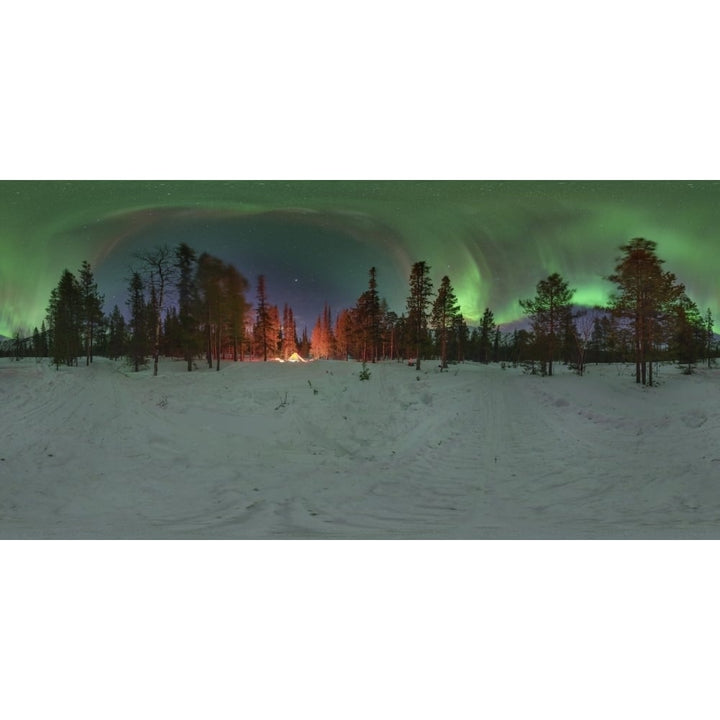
(649, 318)
(431, 326)
(182, 304)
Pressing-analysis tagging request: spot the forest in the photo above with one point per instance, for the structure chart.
(196, 307)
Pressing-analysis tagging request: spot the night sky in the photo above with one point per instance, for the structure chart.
(316, 240)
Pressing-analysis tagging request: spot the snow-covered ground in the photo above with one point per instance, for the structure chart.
(279, 450)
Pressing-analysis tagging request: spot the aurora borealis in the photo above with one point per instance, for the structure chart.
(316, 240)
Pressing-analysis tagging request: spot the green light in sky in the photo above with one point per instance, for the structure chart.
(495, 240)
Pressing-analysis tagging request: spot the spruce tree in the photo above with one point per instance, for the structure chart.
(485, 340)
(304, 344)
(417, 308)
(289, 333)
(91, 303)
(262, 319)
(445, 311)
(36, 342)
(64, 316)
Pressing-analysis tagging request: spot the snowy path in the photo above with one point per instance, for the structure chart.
(309, 451)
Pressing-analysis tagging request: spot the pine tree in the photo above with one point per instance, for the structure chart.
(643, 297)
(343, 334)
(689, 332)
(417, 308)
(275, 330)
(445, 311)
(117, 340)
(485, 340)
(548, 311)
(289, 333)
(460, 337)
(368, 319)
(387, 331)
(18, 349)
(36, 343)
(322, 339)
(91, 304)
(304, 349)
(262, 319)
(64, 316)
(496, 344)
(708, 336)
(44, 343)
(140, 322)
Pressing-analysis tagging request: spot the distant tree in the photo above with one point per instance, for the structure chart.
(171, 336)
(388, 324)
(275, 330)
(139, 344)
(445, 311)
(263, 331)
(64, 316)
(91, 308)
(496, 344)
(159, 269)
(18, 344)
(486, 335)
(304, 349)
(644, 295)
(418, 301)
(44, 341)
(117, 340)
(548, 311)
(323, 339)
(520, 345)
(289, 333)
(36, 350)
(343, 334)
(708, 336)
(689, 334)
(568, 348)
(208, 299)
(236, 286)
(186, 267)
(459, 338)
(368, 319)
(213, 301)
(402, 340)
(582, 331)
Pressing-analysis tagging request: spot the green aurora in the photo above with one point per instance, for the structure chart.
(316, 240)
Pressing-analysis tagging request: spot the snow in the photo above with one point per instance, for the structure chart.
(284, 450)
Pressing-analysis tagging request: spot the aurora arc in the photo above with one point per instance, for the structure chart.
(316, 240)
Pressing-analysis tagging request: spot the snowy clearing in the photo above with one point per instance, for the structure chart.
(282, 450)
